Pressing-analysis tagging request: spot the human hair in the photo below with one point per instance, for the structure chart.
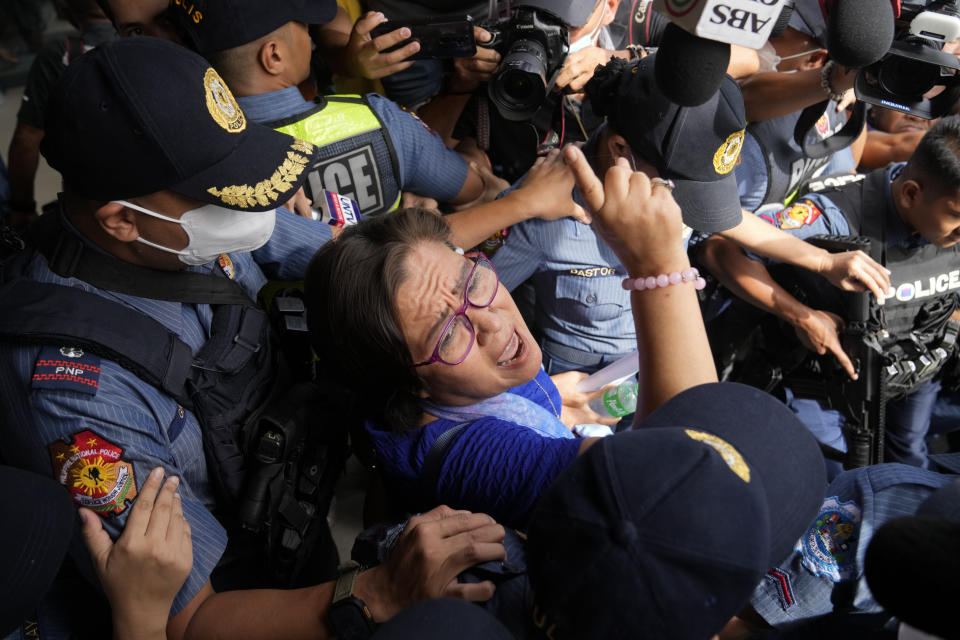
(235, 65)
(351, 289)
(910, 567)
(935, 162)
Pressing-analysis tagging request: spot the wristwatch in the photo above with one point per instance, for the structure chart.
(349, 616)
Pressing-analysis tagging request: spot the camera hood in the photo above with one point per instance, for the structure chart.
(908, 71)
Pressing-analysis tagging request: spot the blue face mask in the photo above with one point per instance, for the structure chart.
(214, 230)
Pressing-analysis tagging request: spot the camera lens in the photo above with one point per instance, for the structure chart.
(908, 78)
(519, 87)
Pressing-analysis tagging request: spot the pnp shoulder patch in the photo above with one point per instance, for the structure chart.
(93, 471)
(829, 547)
(66, 368)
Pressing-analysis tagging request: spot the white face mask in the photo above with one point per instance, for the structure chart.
(214, 230)
(591, 38)
(769, 60)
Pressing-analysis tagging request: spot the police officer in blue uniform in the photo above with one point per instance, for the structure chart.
(911, 213)
(581, 307)
(130, 340)
(796, 131)
(163, 175)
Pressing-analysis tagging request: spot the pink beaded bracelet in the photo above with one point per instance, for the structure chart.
(665, 280)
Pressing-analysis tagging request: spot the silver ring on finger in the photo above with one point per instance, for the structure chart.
(660, 182)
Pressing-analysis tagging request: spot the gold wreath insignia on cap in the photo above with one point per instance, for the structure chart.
(726, 156)
(221, 104)
(726, 450)
(267, 192)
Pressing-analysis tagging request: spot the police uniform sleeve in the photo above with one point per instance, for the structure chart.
(520, 256)
(291, 245)
(825, 572)
(810, 215)
(99, 431)
(427, 166)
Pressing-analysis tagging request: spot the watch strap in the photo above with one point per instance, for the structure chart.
(348, 576)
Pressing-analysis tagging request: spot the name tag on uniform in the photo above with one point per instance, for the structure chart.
(67, 369)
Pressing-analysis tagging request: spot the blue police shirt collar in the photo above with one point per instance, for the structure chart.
(274, 105)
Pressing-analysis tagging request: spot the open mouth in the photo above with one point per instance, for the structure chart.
(512, 352)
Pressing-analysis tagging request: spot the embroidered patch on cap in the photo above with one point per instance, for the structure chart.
(725, 159)
(726, 450)
(92, 469)
(66, 368)
(780, 580)
(267, 192)
(823, 126)
(829, 547)
(221, 104)
(800, 214)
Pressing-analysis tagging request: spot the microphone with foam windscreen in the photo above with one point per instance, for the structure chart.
(690, 69)
(859, 32)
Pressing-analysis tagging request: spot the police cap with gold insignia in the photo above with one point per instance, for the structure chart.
(664, 531)
(697, 147)
(217, 25)
(141, 115)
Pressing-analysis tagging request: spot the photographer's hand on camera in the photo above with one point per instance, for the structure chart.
(366, 52)
(469, 73)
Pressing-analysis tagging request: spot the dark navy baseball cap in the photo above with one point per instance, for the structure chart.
(140, 115)
(664, 531)
(573, 13)
(216, 25)
(40, 522)
(696, 147)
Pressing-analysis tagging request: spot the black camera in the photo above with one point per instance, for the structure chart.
(533, 46)
(916, 63)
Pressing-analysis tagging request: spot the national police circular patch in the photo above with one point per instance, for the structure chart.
(725, 158)
(829, 547)
(221, 104)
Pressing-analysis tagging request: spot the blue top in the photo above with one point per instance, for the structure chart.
(426, 165)
(59, 427)
(580, 302)
(493, 466)
(825, 571)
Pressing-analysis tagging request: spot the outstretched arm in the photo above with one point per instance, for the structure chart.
(750, 280)
(641, 222)
(432, 550)
(848, 270)
(545, 193)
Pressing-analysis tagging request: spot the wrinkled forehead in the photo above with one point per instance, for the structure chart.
(432, 273)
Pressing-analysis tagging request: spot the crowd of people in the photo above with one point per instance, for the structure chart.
(249, 277)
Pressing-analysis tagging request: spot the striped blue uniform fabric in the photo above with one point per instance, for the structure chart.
(825, 572)
(427, 166)
(150, 427)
